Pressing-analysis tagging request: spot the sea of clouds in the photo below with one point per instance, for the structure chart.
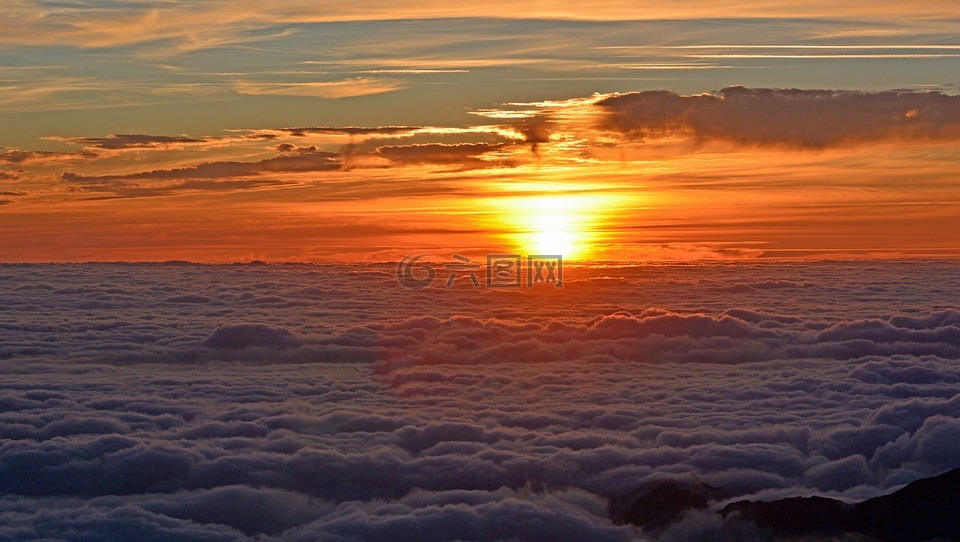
(303, 402)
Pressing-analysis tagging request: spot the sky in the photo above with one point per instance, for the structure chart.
(205, 335)
(218, 131)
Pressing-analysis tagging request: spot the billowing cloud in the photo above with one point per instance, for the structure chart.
(327, 402)
(655, 335)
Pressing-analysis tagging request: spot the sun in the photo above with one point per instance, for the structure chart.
(554, 238)
(553, 219)
(556, 225)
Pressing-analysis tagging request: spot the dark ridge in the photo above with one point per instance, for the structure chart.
(926, 509)
(796, 515)
(656, 504)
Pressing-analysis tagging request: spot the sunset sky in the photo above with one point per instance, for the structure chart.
(538, 271)
(218, 131)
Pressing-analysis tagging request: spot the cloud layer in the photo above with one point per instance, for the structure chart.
(303, 402)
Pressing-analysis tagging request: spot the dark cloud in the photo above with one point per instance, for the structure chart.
(289, 147)
(19, 157)
(133, 141)
(14, 156)
(351, 130)
(536, 130)
(291, 158)
(811, 119)
(314, 161)
(462, 154)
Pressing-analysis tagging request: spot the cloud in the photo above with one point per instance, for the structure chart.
(132, 141)
(655, 334)
(249, 510)
(351, 130)
(250, 335)
(536, 130)
(289, 158)
(290, 147)
(326, 402)
(14, 156)
(346, 88)
(811, 119)
(313, 161)
(470, 516)
(465, 154)
(65, 521)
(216, 24)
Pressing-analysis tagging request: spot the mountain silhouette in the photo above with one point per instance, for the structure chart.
(923, 510)
(927, 509)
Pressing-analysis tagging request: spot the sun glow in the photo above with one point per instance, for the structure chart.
(555, 239)
(568, 225)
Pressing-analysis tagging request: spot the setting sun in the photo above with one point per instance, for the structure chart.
(555, 225)
(565, 224)
(555, 239)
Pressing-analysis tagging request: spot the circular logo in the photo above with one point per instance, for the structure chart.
(406, 268)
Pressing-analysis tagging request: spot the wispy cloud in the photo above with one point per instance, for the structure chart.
(197, 25)
(670, 67)
(346, 88)
(131, 141)
(905, 46)
(412, 71)
(831, 56)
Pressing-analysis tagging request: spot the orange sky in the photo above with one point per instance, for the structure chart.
(218, 132)
(884, 200)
